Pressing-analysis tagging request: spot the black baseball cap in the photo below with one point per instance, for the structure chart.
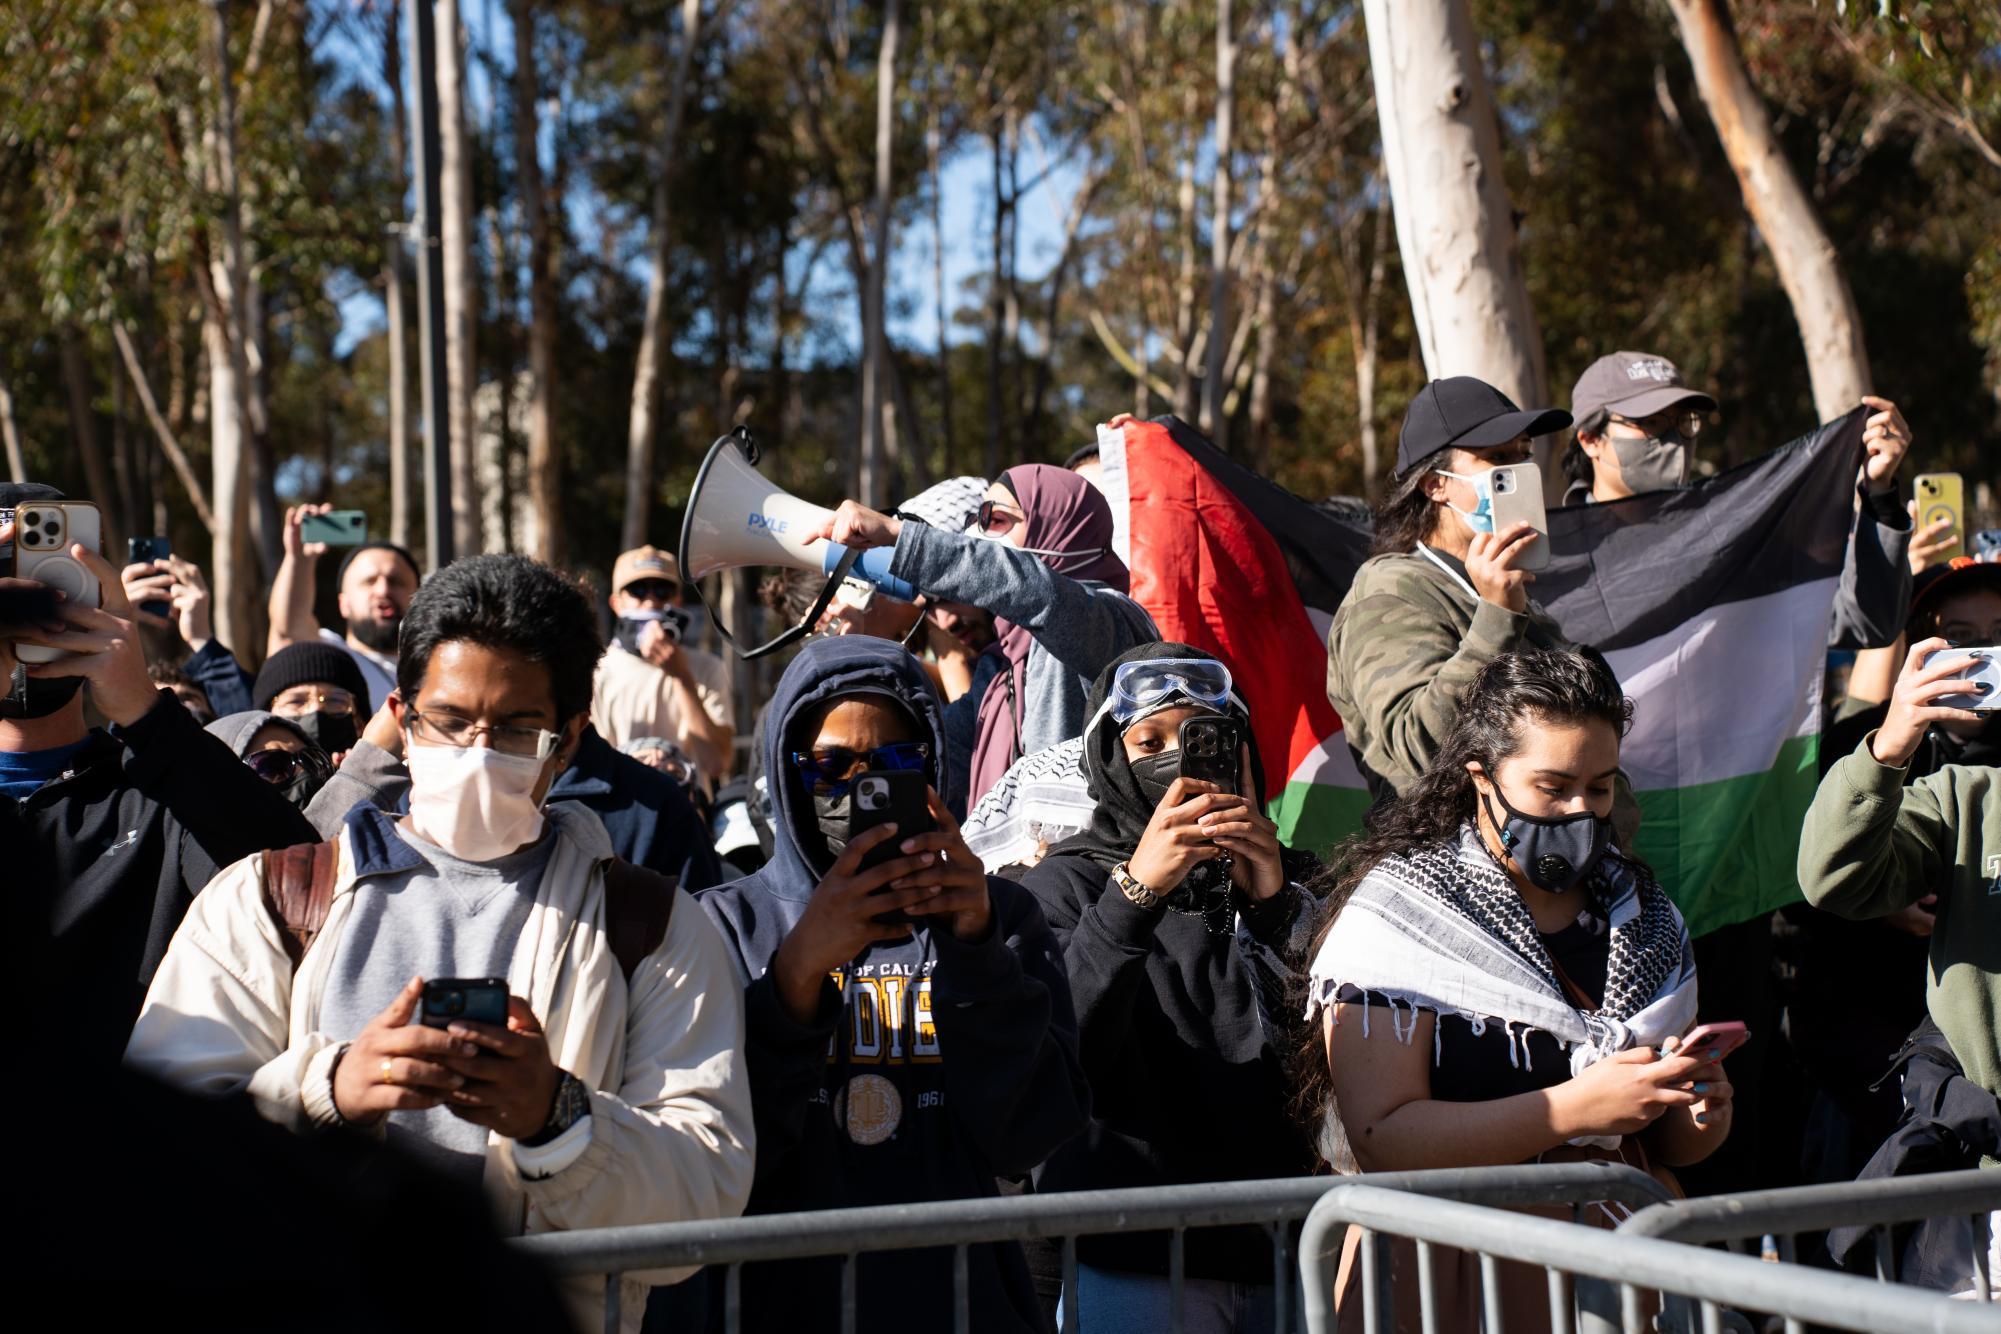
(1464, 413)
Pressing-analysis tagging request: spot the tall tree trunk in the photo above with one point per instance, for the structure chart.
(1066, 253)
(231, 585)
(97, 475)
(1830, 329)
(455, 166)
(1186, 405)
(10, 434)
(170, 444)
(1364, 320)
(545, 465)
(1442, 152)
(403, 503)
(934, 147)
(643, 426)
(996, 405)
(1222, 192)
(875, 469)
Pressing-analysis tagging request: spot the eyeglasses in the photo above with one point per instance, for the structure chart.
(829, 770)
(1686, 424)
(991, 519)
(276, 767)
(333, 703)
(446, 729)
(653, 590)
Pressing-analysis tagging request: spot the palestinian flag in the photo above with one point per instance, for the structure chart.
(1713, 605)
(1231, 563)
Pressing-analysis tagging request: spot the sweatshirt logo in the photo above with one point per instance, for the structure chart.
(888, 1016)
(869, 1109)
(1994, 873)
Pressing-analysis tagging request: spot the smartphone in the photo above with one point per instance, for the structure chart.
(1987, 673)
(1942, 496)
(673, 622)
(148, 551)
(480, 999)
(336, 528)
(44, 531)
(885, 796)
(1210, 751)
(1517, 492)
(1720, 1038)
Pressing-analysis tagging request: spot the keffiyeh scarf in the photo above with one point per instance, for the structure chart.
(1444, 929)
(1042, 799)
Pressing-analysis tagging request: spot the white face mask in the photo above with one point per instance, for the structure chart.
(474, 801)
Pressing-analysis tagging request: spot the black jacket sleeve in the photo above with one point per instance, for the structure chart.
(226, 811)
(1105, 938)
(786, 1061)
(1002, 1006)
(1874, 596)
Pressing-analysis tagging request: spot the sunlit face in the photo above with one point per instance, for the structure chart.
(1007, 523)
(653, 593)
(1455, 493)
(377, 588)
(313, 697)
(971, 626)
(1560, 769)
(1157, 733)
(492, 687)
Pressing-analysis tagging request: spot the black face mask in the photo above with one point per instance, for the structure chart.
(1554, 853)
(1156, 773)
(38, 698)
(331, 732)
(831, 815)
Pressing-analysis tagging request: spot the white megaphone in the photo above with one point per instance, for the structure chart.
(737, 516)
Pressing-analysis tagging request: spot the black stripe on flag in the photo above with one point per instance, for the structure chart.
(1629, 571)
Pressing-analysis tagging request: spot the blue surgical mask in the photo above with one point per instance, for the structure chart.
(1481, 517)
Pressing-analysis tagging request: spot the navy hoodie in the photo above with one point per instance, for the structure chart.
(960, 1059)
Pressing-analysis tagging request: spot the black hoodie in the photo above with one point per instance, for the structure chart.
(1188, 1078)
(967, 1052)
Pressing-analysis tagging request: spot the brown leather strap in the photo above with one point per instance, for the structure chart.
(638, 903)
(298, 890)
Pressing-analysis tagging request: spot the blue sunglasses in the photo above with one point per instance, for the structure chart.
(830, 770)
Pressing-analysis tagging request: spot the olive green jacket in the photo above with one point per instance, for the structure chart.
(1872, 846)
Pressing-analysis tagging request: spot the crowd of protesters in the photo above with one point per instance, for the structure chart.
(1084, 963)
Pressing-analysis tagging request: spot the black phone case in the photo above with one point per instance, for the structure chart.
(900, 799)
(1209, 750)
(485, 1001)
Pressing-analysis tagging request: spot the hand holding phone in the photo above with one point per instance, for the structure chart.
(1710, 1043)
(335, 528)
(44, 532)
(1941, 496)
(483, 1000)
(1517, 492)
(889, 796)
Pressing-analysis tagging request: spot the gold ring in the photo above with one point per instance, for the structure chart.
(386, 1065)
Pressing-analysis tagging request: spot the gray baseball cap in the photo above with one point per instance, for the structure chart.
(1634, 384)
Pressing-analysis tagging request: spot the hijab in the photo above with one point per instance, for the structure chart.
(1123, 811)
(1064, 513)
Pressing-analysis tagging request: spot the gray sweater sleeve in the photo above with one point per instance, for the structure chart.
(1875, 593)
(369, 776)
(1082, 625)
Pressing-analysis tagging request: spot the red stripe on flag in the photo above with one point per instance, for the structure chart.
(1211, 575)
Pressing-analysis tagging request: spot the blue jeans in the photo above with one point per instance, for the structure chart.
(1111, 1302)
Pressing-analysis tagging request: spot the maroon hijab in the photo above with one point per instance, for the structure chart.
(1066, 514)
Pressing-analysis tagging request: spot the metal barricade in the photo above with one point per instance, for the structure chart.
(1565, 1251)
(1176, 1210)
(1738, 1220)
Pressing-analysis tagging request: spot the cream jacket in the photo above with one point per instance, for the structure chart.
(670, 1126)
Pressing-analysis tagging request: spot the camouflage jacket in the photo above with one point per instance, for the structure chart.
(1405, 646)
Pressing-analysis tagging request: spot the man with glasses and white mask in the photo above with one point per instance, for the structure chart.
(613, 1093)
(653, 681)
(1637, 427)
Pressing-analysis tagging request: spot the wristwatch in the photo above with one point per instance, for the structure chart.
(1139, 894)
(572, 1104)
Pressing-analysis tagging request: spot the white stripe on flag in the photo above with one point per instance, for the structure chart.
(1118, 494)
(1331, 764)
(1717, 696)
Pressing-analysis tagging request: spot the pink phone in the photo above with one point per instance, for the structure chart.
(1719, 1038)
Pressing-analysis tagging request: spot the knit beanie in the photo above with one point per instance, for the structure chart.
(309, 660)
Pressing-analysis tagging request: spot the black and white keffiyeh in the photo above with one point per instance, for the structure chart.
(1043, 799)
(1445, 930)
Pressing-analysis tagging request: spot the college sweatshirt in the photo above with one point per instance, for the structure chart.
(934, 1066)
(1872, 845)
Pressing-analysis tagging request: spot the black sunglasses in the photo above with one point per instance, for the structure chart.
(663, 590)
(276, 767)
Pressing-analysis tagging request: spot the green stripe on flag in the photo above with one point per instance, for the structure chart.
(1728, 849)
(1313, 817)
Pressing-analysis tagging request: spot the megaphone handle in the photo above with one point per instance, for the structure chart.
(871, 565)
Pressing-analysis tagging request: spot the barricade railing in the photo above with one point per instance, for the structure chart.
(1744, 1220)
(1064, 1217)
(1567, 1252)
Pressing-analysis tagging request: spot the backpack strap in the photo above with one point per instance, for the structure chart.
(638, 903)
(298, 890)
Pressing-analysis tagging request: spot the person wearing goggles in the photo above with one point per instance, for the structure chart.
(908, 1022)
(1183, 924)
(1037, 555)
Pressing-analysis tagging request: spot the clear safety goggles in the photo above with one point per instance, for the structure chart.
(1142, 687)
